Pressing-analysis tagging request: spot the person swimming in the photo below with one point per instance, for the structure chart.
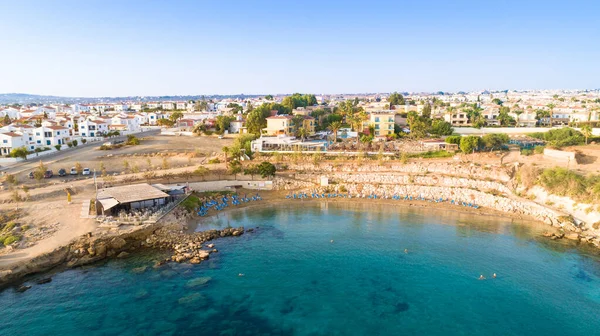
(406, 251)
(494, 276)
(481, 277)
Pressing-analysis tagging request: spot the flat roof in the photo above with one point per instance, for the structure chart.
(132, 193)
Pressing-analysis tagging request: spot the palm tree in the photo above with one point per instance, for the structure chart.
(586, 130)
(302, 133)
(551, 106)
(518, 114)
(335, 127)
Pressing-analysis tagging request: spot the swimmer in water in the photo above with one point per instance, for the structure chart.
(481, 277)
(241, 274)
(494, 276)
(332, 241)
(406, 251)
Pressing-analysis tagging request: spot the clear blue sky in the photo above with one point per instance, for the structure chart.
(118, 48)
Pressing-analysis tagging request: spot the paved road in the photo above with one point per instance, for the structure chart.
(83, 153)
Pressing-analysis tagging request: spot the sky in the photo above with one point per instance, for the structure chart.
(127, 48)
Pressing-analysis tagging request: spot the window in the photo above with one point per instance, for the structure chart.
(37, 133)
(4, 141)
(377, 126)
(47, 134)
(48, 142)
(39, 141)
(376, 119)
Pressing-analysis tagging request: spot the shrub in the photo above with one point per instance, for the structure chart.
(215, 160)
(75, 143)
(57, 147)
(495, 140)
(11, 239)
(563, 182)
(83, 141)
(132, 140)
(469, 143)
(561, 137)
(70, 144)
(453, 139)
(539, 149)
(431, 154)
(526, 152)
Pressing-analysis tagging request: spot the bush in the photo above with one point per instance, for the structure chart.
(526, 152)
(191, 203)
(453, 139)
(83, 141)
(132, 140)
(539, 149)
(11, 239)
(57, 147)
(70, 144)
(75, 143)
(563, 182)
(469, 143)
(495, 140)
(266, 169)
(215, 160)
(561, 137)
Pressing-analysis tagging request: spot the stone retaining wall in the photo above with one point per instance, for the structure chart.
(418, 168)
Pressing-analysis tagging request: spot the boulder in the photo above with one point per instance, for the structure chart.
(117, 243)
(139, 270)
(198, 282)
(572, 236)
(123, 255)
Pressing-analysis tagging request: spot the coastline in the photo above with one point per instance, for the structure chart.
(89, 249)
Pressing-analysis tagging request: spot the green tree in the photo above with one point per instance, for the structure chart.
(201, 171)
(453, 139)
(495, 140)
(269, 97)
(7, 121)
(57, 147)
(175, 116)
(234, 168)
(551, 107)
(335, 127)
(518, 114)
(266, 169)
(222, 123)
(165, 122)
(302, 133)
(396, 99)
(504, 117)
(469, 144)
(426, 113)
(418, 127)
(586, 130)
(440, 127)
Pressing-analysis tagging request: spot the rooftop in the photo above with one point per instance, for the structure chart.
(132, 193)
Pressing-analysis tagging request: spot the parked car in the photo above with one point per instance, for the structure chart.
(31, 175)
(86, 171)
(62, 172)
(221, 136)
(73, 171)
(48, 174)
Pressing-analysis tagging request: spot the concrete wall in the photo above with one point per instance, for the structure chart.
(223, 185)
(508, 130)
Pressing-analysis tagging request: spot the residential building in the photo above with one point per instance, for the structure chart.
(383, 122)
(284, 125)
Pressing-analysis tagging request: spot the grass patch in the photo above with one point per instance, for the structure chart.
(432, 154)
(563, 182)
(191, 203)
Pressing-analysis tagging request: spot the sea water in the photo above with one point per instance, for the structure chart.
(331, 269)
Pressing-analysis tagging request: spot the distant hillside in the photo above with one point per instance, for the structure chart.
(24, 98)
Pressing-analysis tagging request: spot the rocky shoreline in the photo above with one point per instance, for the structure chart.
(88, 249)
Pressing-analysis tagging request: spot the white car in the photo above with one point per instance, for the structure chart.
(86, 171)
(73, 171)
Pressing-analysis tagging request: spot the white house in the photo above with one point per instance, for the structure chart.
(168, 106)
(11, 112)
(12, 140)
(130, 123)
(120, 107)
(153, 117)
(77, 108)
(136, 107)
(180, 105)
(92, 128)
(51, 135)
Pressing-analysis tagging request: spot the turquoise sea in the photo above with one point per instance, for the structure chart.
(331, 269)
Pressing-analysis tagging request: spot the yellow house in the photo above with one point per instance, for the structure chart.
(383, 123)
(284, 125)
